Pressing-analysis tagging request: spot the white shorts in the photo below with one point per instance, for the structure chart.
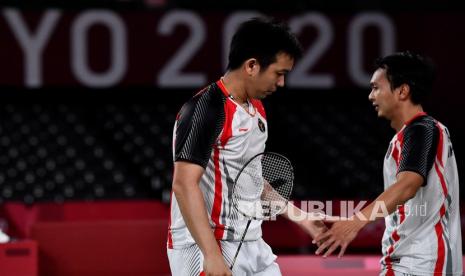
(255, 258)
(385, 272)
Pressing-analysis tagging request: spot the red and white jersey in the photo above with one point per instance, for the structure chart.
(216, 133)
(423, 236)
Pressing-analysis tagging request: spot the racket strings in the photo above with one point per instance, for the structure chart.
(264, 186)
(262, 189)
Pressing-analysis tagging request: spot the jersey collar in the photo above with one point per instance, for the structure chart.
(419, 114)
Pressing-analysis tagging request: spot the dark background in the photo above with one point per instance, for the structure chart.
(64, 137)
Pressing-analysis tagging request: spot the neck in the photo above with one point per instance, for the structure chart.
(235, 86)
(406, 114)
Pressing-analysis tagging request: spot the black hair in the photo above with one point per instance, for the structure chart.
(262, 39)
(412, 69)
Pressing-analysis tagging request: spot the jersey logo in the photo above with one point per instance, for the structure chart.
(243, 129)
(261, 125)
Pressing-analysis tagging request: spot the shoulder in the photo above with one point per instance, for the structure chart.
(198, 124)
(424, 125)
(206, 100)
(420, 135)
(211, 94)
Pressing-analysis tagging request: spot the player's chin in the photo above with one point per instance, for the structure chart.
(382, 115)
(262, 96)
(268, 93)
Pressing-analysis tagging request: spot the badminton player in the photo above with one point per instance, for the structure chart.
(421, 198)
(215, 133)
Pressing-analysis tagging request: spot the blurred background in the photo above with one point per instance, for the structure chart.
(89, 91)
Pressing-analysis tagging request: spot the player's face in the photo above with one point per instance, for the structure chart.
(265, 82)
(382, 96)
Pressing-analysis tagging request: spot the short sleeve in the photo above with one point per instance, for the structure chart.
(199, 123)
(419, 149)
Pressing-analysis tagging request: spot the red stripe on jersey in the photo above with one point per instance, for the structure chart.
(202, 273)
(170, 237)
(442, 211)
(396, 154)
(441, 249)
(229, 110)
(256, 103)
(395, 237)
(438, 227)
(389, 261)
(216, 211)
(390, 272)
(259, 106)
(222, 87)
(402, 213)
(419, 114)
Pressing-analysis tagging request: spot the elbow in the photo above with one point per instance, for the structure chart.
(182, 188)
(410, 193)
(407, 197)
(408, 184)
(177, 187)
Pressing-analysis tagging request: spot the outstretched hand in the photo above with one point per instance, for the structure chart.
(340, 235)
(313, 225)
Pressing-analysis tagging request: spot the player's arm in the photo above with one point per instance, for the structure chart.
(309, 222)
(397, 194)
(198, 126)
(417, 158)
(191, 204)
(344, 231)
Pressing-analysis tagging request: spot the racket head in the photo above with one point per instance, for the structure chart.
(263, 186)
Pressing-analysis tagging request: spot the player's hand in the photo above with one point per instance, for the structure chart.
(314, 225)
(340, 235)
(216, 266)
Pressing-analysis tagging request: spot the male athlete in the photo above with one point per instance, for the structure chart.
(216, 132)
(422, 235)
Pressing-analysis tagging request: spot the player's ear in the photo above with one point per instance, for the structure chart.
(251, 66)
(404, 92)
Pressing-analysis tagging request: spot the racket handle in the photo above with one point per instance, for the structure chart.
(240, 244)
